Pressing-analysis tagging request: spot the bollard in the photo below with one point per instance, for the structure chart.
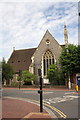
(41, 102)
(76, 88)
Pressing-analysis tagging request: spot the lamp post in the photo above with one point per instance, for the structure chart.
(69, 82)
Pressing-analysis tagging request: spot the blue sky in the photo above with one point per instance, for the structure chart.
(22, 25)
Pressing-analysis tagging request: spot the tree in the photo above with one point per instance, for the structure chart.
(27, 77)
(55, 75)
(0, 74)
(70, 60)
(7, 72)
(77, 67)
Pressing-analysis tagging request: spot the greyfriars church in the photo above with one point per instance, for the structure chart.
(47, 53)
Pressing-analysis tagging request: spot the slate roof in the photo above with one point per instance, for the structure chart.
(21, 59)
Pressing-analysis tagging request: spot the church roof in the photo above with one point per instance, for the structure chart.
(21, 59)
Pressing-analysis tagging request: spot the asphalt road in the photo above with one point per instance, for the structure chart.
(64, 101)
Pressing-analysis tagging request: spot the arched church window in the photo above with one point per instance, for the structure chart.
(48, 59)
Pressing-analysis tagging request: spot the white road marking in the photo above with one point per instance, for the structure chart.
(47, 92)
(30, 92)
(37, 92)
(72, 96)
(59, 99)
(69, 93)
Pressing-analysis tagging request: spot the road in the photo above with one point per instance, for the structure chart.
(60, 102)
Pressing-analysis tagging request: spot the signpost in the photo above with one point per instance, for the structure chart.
(46, 81)
(40, 91)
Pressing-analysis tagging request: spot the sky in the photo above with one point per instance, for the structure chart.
(23, 24)
(79, 24)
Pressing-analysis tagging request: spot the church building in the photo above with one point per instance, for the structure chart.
(35, 59)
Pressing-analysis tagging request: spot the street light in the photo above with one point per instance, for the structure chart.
(69, 83)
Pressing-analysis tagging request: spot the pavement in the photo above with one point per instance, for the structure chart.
(18, 109)
(44, 89)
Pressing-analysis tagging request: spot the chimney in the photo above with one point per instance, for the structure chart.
(13, 48)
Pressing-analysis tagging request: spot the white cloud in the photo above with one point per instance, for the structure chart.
(24, 24)
(19, 1)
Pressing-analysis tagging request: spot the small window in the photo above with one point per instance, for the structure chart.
(12, 62)
(47, 41)
(24, 60)
(18, 61)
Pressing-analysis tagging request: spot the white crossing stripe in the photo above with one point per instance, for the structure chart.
(60, 99)
(47, 92)
(69, 93)
(36, 92)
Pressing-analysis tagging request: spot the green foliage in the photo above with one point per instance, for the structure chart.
(77, 67)
(19, 78)
(14, 84)
(27, 77)
(55, 75)
(0, 66)
(0, 74)
(70, 60)
(7, 71)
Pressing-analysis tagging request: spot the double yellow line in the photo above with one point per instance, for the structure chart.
(56, 110)
(62, 115)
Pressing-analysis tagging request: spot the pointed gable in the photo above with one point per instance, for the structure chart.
(52, 45)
